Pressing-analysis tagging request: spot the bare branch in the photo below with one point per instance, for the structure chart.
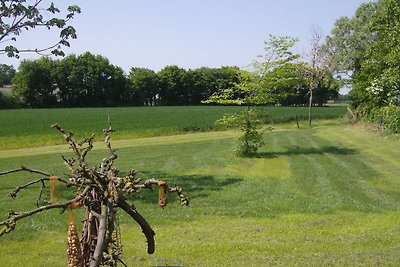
(146, 228)
(23, 168)
(10, 223)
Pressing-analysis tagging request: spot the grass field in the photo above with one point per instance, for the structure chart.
(31, 127)
(320, 196)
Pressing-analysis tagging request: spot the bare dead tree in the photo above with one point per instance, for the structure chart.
(315, 71)
(100, 191)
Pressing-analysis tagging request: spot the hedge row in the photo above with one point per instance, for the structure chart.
(387, 117)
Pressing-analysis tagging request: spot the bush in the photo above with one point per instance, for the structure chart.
(6, 101)
(390, 116)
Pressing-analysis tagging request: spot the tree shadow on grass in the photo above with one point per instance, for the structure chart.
(296, 150)
(194, 186)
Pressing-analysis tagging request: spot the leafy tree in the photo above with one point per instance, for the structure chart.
(144, 86)
(201, 83)
(382, 68)
(348, 47)
(243, 93)
(34, 85)
(7, 73)
(90, 80)
(286, 85)
(328, 89)
(258, 86)
(84, 80)
(365, 47)
(349, 41)
(172, 86)
(277, 52)
(255, 88)
(17, 16)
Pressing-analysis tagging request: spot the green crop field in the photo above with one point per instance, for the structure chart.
(31, 127)
(327, 195)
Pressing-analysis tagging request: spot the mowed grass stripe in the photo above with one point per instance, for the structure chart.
(313, 178)
(380, 157)
(118, 144)
(368, 177)
(374, 145)
(318, 177)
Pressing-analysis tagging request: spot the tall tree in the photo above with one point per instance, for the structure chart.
(7, 73)
(172, 86)
(18, 16)
(315, 70)
(286, 85)
(348, 46)
(381, 69)
(349, 41)
(90, 80)
(201, 83)
(144, 86)
(34, 85)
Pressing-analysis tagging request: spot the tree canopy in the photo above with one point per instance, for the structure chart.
(7, 73)
(365, 47)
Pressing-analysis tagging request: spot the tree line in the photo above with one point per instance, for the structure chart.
(89, 80)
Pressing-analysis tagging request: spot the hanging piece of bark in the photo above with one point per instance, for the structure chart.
(162, 194)
(54, 192)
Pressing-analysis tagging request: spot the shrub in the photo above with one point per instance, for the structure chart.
(6, 101)
(250, 124)
(390, 116)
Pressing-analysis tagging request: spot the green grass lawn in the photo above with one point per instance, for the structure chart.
(322, 196)
(31, 127)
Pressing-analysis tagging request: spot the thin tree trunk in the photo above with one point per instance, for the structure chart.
(310, 108)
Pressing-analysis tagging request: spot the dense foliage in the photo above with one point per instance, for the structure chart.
(7, 73)
(91, 80)
(365, 48)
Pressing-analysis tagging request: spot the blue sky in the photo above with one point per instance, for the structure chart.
(189, 33)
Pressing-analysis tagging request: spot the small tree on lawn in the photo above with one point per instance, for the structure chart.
(243, 93)
(101, 191)
(252, 91)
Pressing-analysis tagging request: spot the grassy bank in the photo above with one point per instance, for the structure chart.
(326, 195)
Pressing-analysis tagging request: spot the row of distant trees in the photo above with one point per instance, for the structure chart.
(89, 80)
